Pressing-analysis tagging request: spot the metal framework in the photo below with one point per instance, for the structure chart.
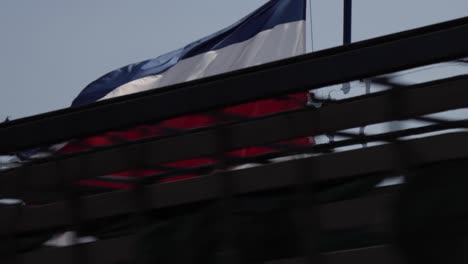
(312, 181)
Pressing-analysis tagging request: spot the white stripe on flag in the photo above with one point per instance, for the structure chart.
(283, 41)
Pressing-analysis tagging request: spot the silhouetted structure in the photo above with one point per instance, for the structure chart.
(322, 207)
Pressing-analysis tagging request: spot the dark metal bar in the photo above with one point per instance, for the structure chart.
(421, 100)
(347, 21)
(11, 216)
(139, 198)
(9, 244)
(385, 254)
(308, 224)
(116, 251)
(389, 137)
(432, 44)
(369, 211)
(372, 160)
(109, 251)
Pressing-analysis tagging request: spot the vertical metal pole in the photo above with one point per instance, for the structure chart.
(347, 26)
(347, 21)
(347, 18)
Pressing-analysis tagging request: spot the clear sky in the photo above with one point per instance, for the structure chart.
(51, 49)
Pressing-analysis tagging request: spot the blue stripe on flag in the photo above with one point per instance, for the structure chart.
(273, 13)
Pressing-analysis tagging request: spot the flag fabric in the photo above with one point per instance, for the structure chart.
(274, 31)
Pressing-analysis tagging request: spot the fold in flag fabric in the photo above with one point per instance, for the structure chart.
(274, 31)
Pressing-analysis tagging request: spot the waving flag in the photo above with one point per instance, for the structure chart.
(274, 31)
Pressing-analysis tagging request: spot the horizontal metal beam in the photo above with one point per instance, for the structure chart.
(370, 211)
(387, 54)
(382, 254)
(110, 251)
(120, 251)
(419, 100)
(373, 160)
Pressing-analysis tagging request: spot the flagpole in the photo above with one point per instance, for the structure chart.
(347, 30)
(347, 39)
(347, 21)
